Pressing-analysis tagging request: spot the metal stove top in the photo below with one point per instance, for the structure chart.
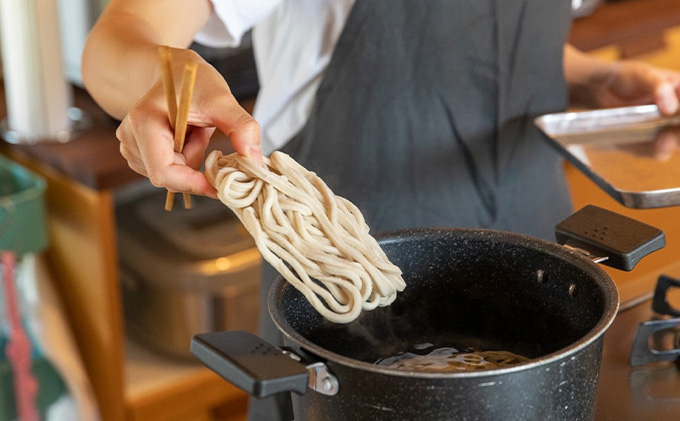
(647, 392)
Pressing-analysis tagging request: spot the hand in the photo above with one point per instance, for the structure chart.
(146, 137)
(635, 83)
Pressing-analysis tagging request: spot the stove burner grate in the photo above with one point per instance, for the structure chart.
(659, 340)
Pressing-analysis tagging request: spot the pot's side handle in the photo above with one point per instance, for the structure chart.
(600, 232)
(250, 363)
(660, 302)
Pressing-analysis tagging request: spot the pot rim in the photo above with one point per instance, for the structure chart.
(599, 275)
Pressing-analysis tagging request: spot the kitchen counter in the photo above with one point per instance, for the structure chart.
(91, 158)
(650, 392)
(612, 24)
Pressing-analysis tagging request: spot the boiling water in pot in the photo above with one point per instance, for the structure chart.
(450, 359)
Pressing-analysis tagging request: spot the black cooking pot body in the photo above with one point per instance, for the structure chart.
(466, 288)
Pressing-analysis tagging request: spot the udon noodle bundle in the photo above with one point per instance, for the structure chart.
(452, 360)
(319, 242)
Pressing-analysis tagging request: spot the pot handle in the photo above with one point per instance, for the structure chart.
(660, 302)
(250, 363)
(258, 367)
(605, 236)
(642, 353)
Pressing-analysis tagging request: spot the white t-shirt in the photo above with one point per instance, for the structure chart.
(293, 41)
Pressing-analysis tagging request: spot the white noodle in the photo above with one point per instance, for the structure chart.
(318, 241)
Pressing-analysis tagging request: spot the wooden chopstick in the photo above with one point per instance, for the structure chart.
(178, 117)
(168, 84)
(187, 91)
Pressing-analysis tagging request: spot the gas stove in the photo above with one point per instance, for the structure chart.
(640, 375)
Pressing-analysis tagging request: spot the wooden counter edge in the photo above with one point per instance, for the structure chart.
(199, 391)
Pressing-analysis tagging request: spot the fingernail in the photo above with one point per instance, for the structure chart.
(669, 100)
(255, 152)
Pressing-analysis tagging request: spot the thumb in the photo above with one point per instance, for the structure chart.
(239, 126)
(653, 81)
(666, 98)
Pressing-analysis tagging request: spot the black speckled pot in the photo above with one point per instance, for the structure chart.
(482, 288)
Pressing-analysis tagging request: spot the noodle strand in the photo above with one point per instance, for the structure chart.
(317, 241)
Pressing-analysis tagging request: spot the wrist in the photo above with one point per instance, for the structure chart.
(587, 77)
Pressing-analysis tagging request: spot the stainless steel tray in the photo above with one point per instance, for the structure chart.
(633, 153)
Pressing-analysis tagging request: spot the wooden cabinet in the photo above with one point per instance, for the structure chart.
(129, 382)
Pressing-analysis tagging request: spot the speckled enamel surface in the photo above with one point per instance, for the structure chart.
(481, 288)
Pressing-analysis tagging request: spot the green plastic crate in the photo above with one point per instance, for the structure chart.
(22, 209)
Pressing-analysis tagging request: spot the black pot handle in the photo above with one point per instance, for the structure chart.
(660, 303)
(605, 236)
(642, 353)
(250, 363)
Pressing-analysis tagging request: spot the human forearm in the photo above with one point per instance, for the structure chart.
(120, 61)
(584, 75)
(122, 71)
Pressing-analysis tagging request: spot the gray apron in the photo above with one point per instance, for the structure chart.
(424, 118)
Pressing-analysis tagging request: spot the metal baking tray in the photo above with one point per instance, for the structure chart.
(633, 153)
